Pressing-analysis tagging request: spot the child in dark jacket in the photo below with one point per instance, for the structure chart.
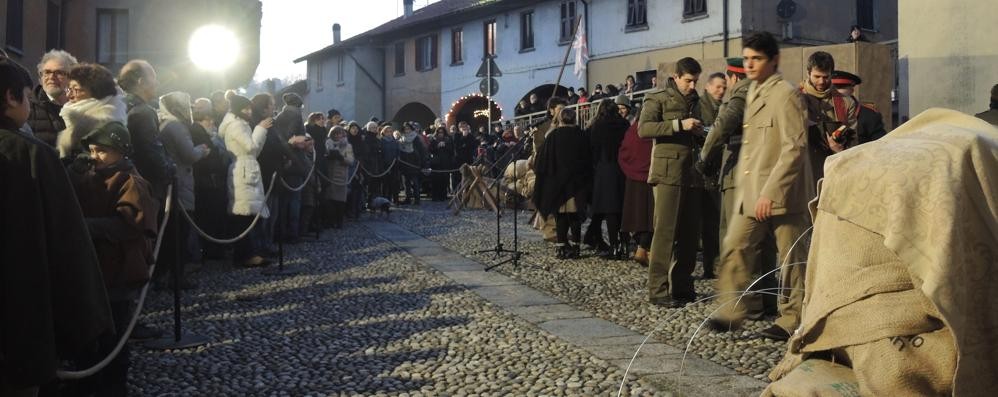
(120, 213)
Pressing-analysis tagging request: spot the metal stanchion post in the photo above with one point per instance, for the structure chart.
(179, 340)
(280, 270)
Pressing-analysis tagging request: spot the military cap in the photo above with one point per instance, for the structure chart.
(845, 78)
(736, 65)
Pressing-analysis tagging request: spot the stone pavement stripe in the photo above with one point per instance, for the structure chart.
(603, 339)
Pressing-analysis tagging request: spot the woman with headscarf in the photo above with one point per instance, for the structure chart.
(175, 123)
(564, 168)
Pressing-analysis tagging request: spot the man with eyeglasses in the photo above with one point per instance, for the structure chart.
(50, 95)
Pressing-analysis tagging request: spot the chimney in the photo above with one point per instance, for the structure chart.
(336, 33)
(407, 5)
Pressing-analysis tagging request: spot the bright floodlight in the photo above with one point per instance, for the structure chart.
(213, 47)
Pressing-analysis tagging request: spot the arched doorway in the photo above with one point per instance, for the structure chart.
(543, 94)
(415, 111)
(471, 109)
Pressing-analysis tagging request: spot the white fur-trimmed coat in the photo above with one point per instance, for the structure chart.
(246, 194)
(83, 116)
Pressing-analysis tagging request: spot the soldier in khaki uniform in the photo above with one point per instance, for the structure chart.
(727, 133)
(671, 115)
(774, 185)
(710, 209)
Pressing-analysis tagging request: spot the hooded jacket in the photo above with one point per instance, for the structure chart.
(175, 132)
(45, 121)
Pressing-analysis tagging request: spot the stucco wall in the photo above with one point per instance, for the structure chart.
(522, 71)
(946, 62)
(33, 35)
(413, 86)
(819, 22)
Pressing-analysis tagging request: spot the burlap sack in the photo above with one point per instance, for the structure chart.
(815, 378)
(904, 249)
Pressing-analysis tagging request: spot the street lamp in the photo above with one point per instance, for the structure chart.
(213, 48)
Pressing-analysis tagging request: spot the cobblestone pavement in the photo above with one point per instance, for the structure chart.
(363, 317)
(612, 290)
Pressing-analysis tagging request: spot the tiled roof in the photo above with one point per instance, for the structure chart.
(429, 14)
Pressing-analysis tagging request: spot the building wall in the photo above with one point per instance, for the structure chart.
(413, 86)
(369, 96)
(819, 22)
(328, 93)
(159, 31)
(946, 62)
(522, 71)
(667, 30)
(34, 36)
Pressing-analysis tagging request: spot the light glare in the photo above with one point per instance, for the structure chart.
(213, 47)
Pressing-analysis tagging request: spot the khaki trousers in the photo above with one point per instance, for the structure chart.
(674, 243)
(756, 303)
(741, 260)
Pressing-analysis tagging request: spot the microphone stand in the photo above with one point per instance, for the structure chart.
(515, 253)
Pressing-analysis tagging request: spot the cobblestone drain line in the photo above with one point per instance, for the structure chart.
(656, 363)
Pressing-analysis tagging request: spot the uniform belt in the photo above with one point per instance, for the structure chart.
(675, 140)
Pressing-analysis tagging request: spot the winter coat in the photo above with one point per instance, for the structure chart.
(176, 137)
(211, 171)
(246, 194)
(374, 163)
(148, 154)
(413, 152)
(563, 169)
(389, 151)
(289, 123)
(45, 121)
(605, 137)
(465, 147)
(318, 134)
(340, 160)
(634, 156)
(54, 304)
(81, 117)
(443, 156)
(121, 216)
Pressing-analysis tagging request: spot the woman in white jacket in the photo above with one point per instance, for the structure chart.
(247, 198)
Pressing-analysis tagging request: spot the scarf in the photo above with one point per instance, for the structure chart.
(807, 88)
(406, 141)
(83, 116)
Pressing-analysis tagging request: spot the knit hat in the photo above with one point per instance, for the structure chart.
(238, 103)
(292, 99)
(112, 134)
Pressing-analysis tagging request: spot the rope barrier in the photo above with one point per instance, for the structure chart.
(74, 375)
(334, 183)
(242, 235)
(431, 170)
(390, 166)
(307, 178)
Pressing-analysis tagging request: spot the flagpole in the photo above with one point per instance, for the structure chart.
(564, 62)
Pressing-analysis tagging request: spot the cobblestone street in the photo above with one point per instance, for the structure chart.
(396, 308)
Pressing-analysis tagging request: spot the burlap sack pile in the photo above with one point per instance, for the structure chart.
(901, 271)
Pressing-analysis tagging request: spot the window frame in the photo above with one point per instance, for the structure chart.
(636, 8)
(527, 31)
(457, 46)
(426, 62)
(318, 74)
(489, 41)
(116, 15)
(569, 19)
(399, 60)
(340, 65)
(14, 37)
(689, 11)
(874, 16)
(54, 34)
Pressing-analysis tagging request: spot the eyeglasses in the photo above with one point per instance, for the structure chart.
(56, 73)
